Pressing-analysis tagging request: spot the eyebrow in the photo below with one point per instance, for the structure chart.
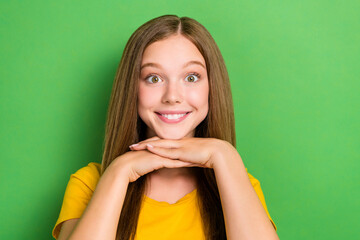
(185, 65)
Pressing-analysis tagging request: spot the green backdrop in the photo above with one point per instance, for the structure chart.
(294, 68)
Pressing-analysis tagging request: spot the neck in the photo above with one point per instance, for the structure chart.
(171, 178)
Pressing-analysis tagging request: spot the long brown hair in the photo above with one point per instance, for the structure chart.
(124, 126)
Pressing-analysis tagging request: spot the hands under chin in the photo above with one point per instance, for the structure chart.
(201, 152)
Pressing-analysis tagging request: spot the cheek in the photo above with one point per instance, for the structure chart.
(147, 99)
(144, 97)
(199, 98)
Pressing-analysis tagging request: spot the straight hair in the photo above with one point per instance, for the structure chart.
(124, 126)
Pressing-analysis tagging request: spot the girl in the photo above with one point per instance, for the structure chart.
(170, 169)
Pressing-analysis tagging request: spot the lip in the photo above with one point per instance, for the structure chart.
(172, 112)
(166, 120)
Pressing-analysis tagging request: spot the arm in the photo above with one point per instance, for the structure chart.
(100, 218)
(101, 215)
(66, 228)
(245, 217)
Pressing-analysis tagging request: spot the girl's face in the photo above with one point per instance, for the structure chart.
(173, 88)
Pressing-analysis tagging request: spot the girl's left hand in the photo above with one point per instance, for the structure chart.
(202, 152)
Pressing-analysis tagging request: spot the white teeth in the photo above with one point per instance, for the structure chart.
(173, 116)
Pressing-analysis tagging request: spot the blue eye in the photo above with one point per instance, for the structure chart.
(193, 77)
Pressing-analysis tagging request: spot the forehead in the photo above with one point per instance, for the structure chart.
(172, 52)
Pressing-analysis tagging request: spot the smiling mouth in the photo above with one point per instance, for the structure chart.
(172, 117)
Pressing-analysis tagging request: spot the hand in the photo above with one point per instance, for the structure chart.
(138, 163)
(198, 151)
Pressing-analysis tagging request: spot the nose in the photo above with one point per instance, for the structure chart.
(173, 93)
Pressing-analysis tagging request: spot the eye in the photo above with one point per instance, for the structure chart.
(152, 79)
(193, 77)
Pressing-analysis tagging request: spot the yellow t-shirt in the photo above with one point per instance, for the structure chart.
(181, 220)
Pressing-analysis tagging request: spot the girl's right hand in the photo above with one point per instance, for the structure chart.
(138, 163)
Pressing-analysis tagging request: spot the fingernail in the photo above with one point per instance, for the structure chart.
(133, 145)
(150, 146)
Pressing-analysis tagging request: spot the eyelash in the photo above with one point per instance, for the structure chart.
(194, 74)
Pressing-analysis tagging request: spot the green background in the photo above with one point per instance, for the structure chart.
(294, 68)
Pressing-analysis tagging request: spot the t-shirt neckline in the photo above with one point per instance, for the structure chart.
(188, 197)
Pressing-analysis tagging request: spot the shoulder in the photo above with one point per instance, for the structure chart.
(89, 175)
(78, 193)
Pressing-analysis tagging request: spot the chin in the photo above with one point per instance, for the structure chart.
(173, 136)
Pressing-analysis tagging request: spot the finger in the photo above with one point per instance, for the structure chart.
(172, 153)
(195, 165)
(164, 143)
(144, 141)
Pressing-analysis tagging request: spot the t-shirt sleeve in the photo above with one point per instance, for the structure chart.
(77, 195)
(256, 185)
